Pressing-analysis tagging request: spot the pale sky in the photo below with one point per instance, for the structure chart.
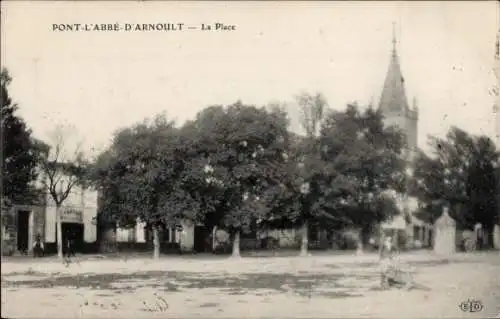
(101, 81)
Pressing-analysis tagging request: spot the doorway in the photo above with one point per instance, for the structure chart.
(202, 242)
(74, 233)
(23, 217)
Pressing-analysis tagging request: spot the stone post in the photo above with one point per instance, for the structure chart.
(445, 234)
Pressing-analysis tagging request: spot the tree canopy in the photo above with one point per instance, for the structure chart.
(139, 174)
(365, 162)
(345, 175)
(240, 149)
(21, 153)
(240, 167)
(460, 172)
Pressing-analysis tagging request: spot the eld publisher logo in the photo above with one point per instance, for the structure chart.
(471, 306)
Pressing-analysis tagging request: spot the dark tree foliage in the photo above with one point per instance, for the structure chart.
(461, 172)
(365, 163)
(344, 176)
(21, 153)
(482, 186)
(234, 159)
(139, 175)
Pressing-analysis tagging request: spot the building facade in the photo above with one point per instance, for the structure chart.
(78, 220)
(22, 224)
(139, 235)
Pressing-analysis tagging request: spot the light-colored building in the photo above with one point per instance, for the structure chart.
(139, 234)
(21, 224)
(78, 219)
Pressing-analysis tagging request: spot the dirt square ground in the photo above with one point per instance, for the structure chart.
(277, 287)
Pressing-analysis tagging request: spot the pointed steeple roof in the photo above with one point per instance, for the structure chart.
(393, 96)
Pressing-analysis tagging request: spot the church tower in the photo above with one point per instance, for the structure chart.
(394, 103)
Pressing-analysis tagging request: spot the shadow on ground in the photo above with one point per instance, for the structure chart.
(301, 284)
(306, 284)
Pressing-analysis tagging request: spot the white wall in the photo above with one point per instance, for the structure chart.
(136, 234)
(90, 229)
(140, 234)
(133, 234)
(286, 237)
(186, 236)
(50, 224)
(86, 202)
(125, 235)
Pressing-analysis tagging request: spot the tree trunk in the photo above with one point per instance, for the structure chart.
(60, 239)
(359, 247)
(156, 243)
(214, 239)
(305, 239)
(236, 244)
(381, 244)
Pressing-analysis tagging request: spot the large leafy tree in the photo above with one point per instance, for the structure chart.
(197, 177)
(139, 178)
(21, 153)
(365, 164)
(235, 157)
(307, 157)
(442, 176)
(343, 176)
(459, 171)
(482, 185)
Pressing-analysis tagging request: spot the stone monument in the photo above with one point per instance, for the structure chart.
(444, 234)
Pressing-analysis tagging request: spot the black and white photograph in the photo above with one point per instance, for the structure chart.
(250, 159)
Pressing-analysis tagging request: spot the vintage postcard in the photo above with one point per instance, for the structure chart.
(270, 159)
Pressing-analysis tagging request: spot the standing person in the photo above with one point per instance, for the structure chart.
(67, 248)
(38, 247)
